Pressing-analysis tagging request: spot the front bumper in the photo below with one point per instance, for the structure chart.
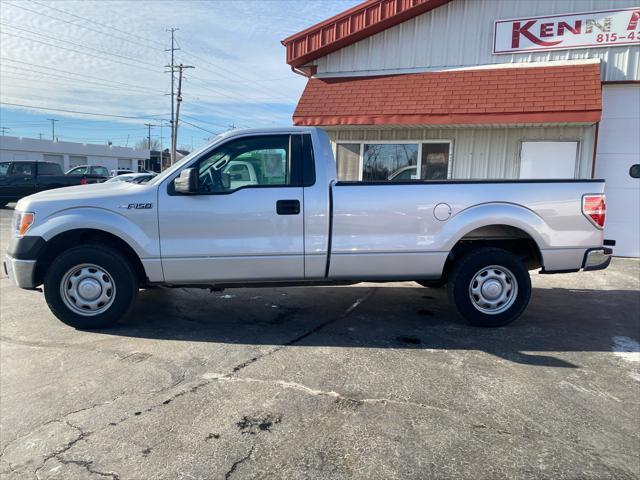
(20, 272)
(597, 259)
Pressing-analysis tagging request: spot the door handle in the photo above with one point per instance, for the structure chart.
(288, 207)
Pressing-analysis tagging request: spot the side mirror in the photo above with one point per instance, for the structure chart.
(187, 182)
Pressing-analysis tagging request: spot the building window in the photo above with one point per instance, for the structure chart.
(393, 162)
(384, 161)
(348, 161)
(435, 161)
(540, 160)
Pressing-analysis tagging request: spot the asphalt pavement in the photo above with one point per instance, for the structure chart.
(373, 381)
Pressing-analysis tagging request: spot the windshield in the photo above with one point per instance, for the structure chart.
(177, 166)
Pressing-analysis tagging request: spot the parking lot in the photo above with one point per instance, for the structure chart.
(368, 381)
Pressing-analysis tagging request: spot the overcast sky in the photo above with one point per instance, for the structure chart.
(108, 57)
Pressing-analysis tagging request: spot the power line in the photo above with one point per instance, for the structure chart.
(200, 128)
(206, 122)
(75, 24)
(237, 100)
(59, 80)
(219, 68)
(76, 51)
(68, 72)
(79, 112)
(104, 52)
(96, 22)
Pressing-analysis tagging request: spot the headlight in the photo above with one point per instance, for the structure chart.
(22, 222)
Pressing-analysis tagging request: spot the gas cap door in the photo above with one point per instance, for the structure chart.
(442, 211)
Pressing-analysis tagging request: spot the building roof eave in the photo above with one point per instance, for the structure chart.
(350, 26)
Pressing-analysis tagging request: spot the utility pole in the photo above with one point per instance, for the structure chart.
(149, 125)
(4, 130)
(174, 140)
(172, 71)
(53, 127)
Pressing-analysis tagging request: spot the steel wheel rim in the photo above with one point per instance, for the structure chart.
(493, 289)
(87, 289)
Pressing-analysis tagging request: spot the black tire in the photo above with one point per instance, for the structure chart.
(441, 282)
(471, 269)
(117, 267)
(3, 204)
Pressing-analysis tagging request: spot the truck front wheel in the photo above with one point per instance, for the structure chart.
(90, 286)
(490, 287)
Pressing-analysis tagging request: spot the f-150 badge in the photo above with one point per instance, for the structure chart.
(137, 206)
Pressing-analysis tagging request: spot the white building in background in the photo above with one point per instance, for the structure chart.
(70, 154)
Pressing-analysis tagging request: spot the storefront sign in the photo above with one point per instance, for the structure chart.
(560, 32)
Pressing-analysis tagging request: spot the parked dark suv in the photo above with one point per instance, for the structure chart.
(19, 179)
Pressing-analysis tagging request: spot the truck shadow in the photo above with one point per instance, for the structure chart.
(558, 321)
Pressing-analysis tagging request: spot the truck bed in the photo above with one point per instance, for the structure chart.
(392, 229)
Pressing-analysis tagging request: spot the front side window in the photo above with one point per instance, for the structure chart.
(4, 168)
(22, 169)
(253, 161)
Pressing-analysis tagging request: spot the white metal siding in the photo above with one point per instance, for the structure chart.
(484, 152)
(618, 149)
(460, 33)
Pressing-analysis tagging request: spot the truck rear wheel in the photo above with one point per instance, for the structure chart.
(490, 287)
(90, 286)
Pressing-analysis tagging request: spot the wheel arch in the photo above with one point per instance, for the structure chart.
(510, 227)
(82, 236)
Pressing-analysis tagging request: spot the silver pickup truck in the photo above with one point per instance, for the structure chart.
(201, 224)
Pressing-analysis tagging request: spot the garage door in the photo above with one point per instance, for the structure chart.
(618, 150)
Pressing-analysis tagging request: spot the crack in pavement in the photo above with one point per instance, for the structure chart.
(82, 435)
(86, 464)
(331, 394)
(301, 337)
(237, 463)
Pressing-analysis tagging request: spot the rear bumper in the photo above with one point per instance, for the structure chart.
(573, 260)
(20, 272)
(596, 259)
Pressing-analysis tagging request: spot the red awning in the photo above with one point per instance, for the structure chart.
(555, 94)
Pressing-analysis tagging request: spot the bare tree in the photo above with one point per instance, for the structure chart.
(144, 144)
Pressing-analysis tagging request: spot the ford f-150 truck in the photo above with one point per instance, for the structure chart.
(92, 247)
